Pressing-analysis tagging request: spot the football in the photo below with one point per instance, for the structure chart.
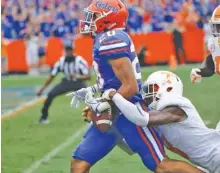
(104, 120)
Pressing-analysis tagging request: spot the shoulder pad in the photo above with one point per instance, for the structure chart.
(173, 100)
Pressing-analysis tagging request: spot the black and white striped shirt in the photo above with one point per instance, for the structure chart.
(77, 66)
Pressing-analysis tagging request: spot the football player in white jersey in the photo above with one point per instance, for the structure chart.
(177, 120)
(211, 65)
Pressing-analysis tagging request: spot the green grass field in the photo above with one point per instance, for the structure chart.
(24, 142)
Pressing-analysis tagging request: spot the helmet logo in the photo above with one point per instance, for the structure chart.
(106, 6)
(216, 17)
(212, 48)
(168, 75)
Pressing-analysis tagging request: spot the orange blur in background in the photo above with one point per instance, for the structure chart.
(159, 45)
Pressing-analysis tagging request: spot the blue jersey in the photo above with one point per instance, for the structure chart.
(109, 46)
(141, 140)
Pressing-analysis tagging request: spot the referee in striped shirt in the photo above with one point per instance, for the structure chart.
(76, 71)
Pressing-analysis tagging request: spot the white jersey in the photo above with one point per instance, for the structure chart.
(214, 48)
(190, 138)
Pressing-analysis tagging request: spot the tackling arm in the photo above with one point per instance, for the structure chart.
(138, 116)
(207, 68)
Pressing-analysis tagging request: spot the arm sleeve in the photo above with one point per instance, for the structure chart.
(133, 113)
(114, 46)
(208, 67)
(55, 69)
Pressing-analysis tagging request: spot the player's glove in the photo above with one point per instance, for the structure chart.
(96, 104)
(107, 94)
(80, 95)
(195, 75)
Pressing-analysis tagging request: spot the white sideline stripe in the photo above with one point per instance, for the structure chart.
(56, 150)
(26, 105)
(112, 46)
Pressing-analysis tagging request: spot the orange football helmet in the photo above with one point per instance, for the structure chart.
(215, 22)
(104, 15)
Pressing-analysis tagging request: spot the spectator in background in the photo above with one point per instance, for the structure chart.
(73, 22)
(20, 23)
(141, 55)
(7, 27)
(60, 29)
(135, 19)
(41, 46)
(178, 44)
(31, 42)
(60, 17)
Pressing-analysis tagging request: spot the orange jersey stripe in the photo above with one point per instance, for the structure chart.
(174, 149)
(158, 141)
(148, 144)
(114, 50)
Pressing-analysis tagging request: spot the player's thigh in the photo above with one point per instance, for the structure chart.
(95, 145)
(144, 141)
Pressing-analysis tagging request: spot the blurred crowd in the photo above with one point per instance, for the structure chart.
(59, 18)
(160, 15)
(36, 20)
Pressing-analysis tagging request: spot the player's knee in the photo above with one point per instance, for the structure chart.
(79, 166)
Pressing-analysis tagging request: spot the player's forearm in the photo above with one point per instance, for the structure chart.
(207, 68)
(128, 90)
(130, 111)
(141, 118)
(124, 72)
(206, 72)
(161, 118)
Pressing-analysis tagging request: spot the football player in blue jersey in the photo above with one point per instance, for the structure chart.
(116, 65)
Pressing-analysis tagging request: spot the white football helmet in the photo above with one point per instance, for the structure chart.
(215, 22)
(158, 84)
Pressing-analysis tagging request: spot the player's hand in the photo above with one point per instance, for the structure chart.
(96, 104)
(80, 95)
(86, 114)
(108, 94)
(39, 93)
(77, 96)
(195, 75)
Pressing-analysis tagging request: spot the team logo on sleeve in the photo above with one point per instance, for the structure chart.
(106, 6)
(212, 48)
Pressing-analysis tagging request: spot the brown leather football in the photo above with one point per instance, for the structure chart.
(104, 120)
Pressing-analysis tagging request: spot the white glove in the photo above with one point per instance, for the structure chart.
(105, 95)
(80, 95)
(96, 104)
(195, 75)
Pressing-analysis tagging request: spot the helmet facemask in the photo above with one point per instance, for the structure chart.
(89, 24)
(150, 95)
(215, 29)
(158, 85)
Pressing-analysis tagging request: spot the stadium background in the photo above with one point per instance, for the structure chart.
(33, 35)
